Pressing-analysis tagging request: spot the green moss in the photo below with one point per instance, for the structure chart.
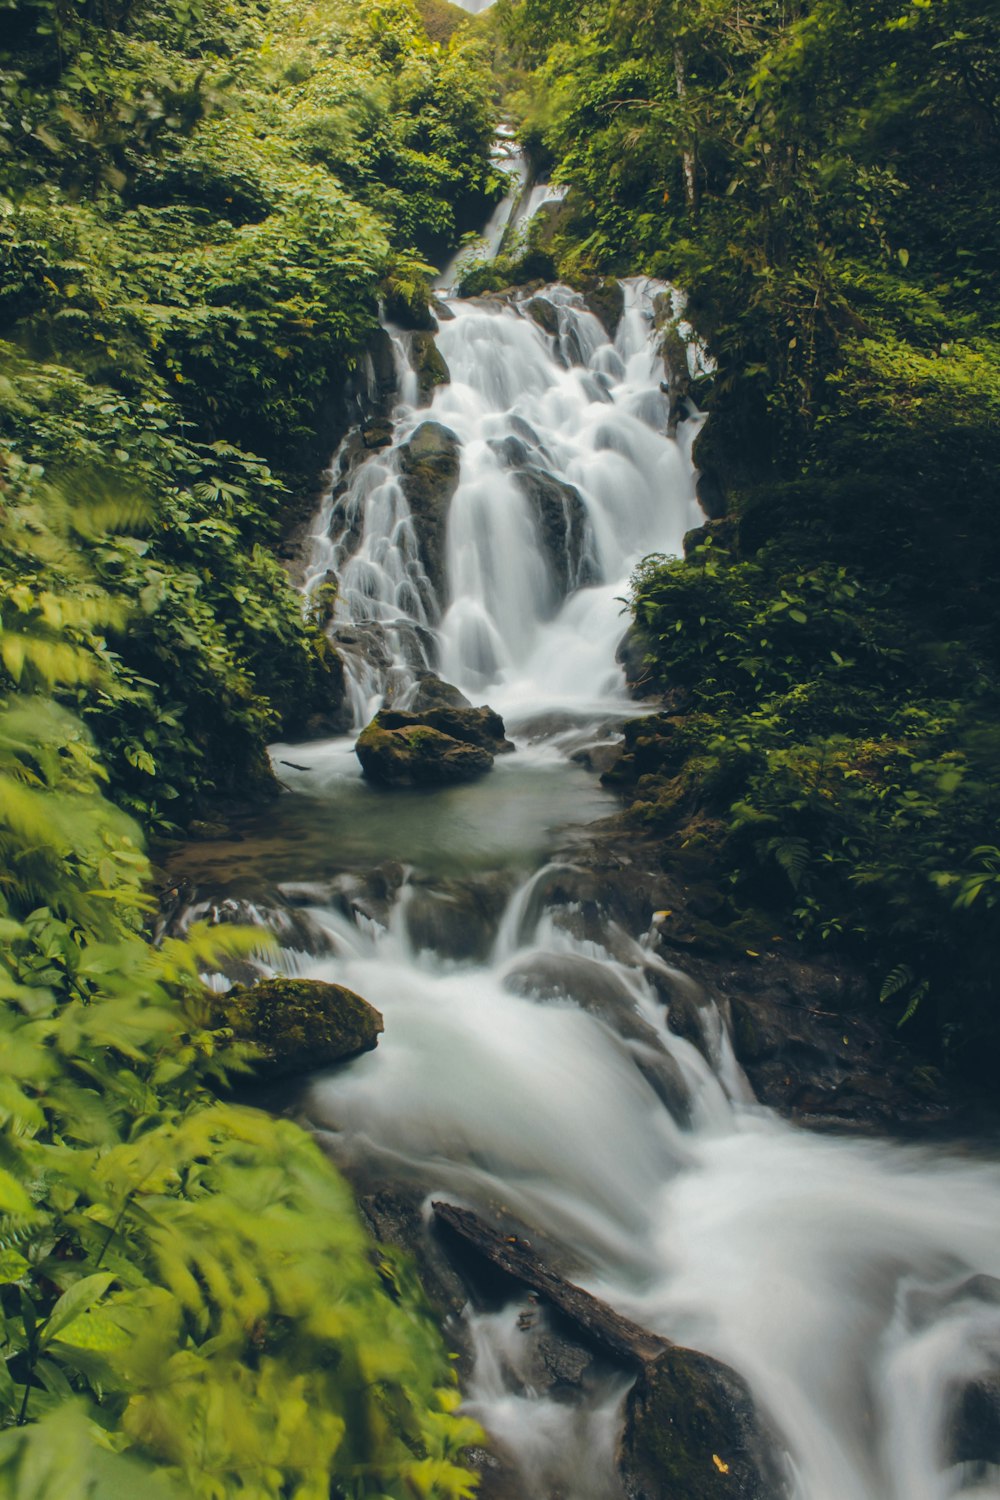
(299, 1025)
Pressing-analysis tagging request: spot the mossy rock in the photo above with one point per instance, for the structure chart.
(692, 1432)
(429, 366)
(429, 470)
(299, 1025)
(415, 755)
(605, 298)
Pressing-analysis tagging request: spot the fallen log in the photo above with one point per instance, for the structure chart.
(595, 1323)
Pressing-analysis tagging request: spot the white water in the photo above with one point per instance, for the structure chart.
(831, 1273)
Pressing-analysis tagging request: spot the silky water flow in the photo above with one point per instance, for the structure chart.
(538, 1073)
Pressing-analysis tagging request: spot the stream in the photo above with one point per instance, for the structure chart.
(527, 1062)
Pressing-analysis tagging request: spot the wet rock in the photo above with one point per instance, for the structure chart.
(442, 311)
(632, 653)
(381, 373)
(545, 314)
(377, 434)
(299, 1025)
(598, 757)
(512, 451)
(677, 386)
(711, 495)
(561, 519)
(973, 1428)
(692, 1430)
(606, 300)
(433, 692)
(410, 314)
(457, 920)
(429, 470)
(429, 366)
(473, 726)
(416, 755)
(595, 1324)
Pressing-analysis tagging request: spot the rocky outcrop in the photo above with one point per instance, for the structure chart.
(429, 466)
(298, 1025)
(545, 314)
(560, 517)
(432, 691)
(632, 655)
(436, 747)
(606, 300)
(429, 366)
(692, 1430)
(973, 1435)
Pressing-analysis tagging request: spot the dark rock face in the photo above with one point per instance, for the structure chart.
(677, 386)
(711, 495)
(429, 365)
(974, 1429)
(544, 313)
(299, 1025)
(692, 1431)
(561, 519)
(633, 649)
(433, 692)
(606, 300)
(429, 469)
(404, 314)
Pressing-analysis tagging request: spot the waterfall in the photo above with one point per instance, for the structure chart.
(527, 1059)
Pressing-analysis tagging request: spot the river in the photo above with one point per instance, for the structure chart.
(526, 1060)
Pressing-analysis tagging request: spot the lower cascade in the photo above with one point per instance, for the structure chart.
(532, 1067)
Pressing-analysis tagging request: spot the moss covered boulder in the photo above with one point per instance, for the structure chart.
(414, 754)
(433, 747)
(692, 1432)
(299, 1025)
(429, 465)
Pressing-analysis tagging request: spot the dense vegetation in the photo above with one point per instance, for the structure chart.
(200, 208)
(824, 181)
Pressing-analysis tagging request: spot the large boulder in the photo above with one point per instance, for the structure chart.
(692, 1430)
(417, 756)
(429, 466)
(435, 747)
(560, 517)
(298, 1025)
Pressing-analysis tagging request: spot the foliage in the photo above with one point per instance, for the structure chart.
(188, 1301)
(198, 210)
(848, 759)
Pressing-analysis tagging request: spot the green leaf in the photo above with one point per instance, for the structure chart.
(72, 1304)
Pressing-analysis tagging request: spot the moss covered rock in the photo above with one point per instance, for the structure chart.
(429, 468)
(416, 755)
(299, 1025)
(429, 366)
(692, 1432)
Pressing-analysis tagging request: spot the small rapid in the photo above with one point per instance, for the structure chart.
(528, 1062)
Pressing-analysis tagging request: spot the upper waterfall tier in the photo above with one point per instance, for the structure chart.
(493, 540)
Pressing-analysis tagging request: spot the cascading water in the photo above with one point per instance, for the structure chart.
(526, 1060)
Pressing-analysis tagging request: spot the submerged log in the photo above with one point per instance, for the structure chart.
(597, 1324)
